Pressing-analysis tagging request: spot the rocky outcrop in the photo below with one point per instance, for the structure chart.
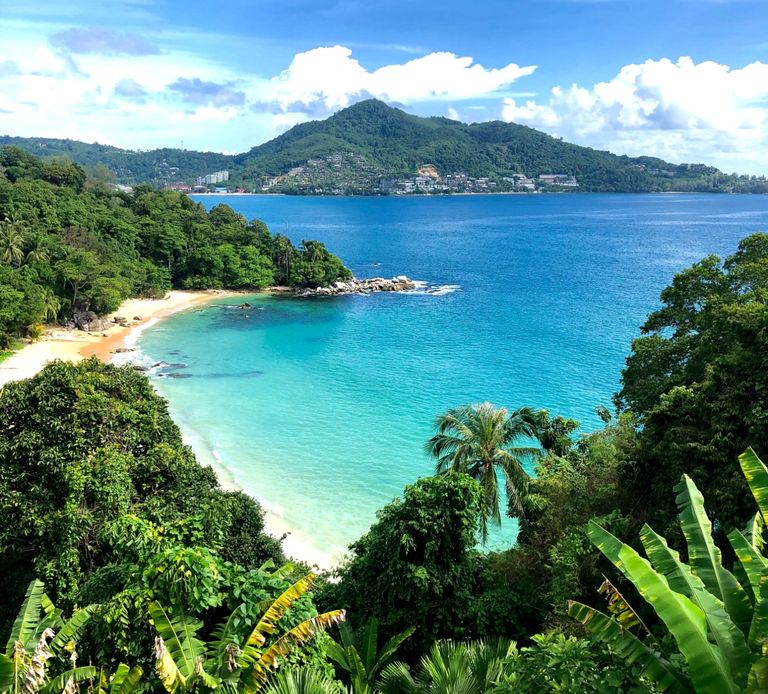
(401, 283)
(88, 320)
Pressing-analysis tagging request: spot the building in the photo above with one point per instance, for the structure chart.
(213, 179)
(563, 180)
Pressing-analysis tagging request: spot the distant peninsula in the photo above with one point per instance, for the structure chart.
(371, 148)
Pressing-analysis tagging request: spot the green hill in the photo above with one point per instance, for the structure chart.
(353, 150)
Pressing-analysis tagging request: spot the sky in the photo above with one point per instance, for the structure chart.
(685, 80)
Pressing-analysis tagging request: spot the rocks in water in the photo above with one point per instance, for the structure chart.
(88, 320)
(401, 283)
(244, 306)
(123, 350)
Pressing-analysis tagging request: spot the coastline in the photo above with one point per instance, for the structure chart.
(75, 345)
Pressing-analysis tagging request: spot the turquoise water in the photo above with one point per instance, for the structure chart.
(320, 408)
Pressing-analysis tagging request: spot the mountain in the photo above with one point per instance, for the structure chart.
(129, 166)
(353, 150)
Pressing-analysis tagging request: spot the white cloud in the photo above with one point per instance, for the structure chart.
(329, 78)
(683, 111)
(157, 97)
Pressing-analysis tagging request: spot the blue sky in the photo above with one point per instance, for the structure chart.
(683, 79)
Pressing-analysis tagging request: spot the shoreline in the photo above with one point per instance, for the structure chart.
(75, 345)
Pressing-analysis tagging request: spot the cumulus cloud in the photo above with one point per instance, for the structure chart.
(325, 79)
(102, 41)
(202, 93)
(682, 110)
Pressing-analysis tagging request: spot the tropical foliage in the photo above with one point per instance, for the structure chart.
(41, 653)
(716, 618)
(361, 658)
(185, 663)
(70, 244)
(478, 440)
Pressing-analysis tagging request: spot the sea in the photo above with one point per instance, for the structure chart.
(320, 408)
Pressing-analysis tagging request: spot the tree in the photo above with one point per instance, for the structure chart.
(11, 241)
(697, 383)
(479, 439)
(81, 445)
(716, 618)
(361, 657)
(185, 663)
(416, 566)
(37, 252)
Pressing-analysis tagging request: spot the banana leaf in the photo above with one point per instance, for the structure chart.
(656, 668)
(705, 558)
(681, 579)
(709, 671)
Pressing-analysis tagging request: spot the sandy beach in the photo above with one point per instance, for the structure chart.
(75, 345)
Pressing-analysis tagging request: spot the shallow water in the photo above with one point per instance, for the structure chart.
(320, 407)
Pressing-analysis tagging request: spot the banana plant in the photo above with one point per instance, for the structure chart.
(40, 637)
(363, 660)
(185, 663)
(718, 619)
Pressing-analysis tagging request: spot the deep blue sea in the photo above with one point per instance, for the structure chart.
(320, 408)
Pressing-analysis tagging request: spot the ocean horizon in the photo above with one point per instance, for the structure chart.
(526, 301)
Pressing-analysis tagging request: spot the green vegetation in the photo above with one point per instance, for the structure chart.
(478, 439)
(170, 583)
(718, 622)
(370, 140)
(69, 244)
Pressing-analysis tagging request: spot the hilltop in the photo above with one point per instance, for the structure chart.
(372, 148)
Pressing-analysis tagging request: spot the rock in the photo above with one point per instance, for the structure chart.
(123, 350)
(88, 320)
(245, 305)
(401, 283)
(119, 319)
(137, 318)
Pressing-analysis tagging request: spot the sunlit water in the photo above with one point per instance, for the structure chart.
(320, 408)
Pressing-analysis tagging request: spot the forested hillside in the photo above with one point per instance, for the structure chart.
(173, 585)
(353, 150)
(68, 243)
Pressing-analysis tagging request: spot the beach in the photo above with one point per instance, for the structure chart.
(75, 345)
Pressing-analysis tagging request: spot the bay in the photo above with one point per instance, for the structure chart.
(320, 407)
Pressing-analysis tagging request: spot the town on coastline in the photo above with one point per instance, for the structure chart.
(346, 173)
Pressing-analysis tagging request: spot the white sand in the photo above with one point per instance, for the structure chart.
(75, 345)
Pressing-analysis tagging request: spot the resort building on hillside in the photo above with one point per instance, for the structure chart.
(213, 179)
(563, 180)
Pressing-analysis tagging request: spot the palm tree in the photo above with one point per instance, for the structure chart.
(470, 668)
(37, 253)
(51, 305)
(314, 251)
(478, 439)
(361, 657)
(11, 241)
